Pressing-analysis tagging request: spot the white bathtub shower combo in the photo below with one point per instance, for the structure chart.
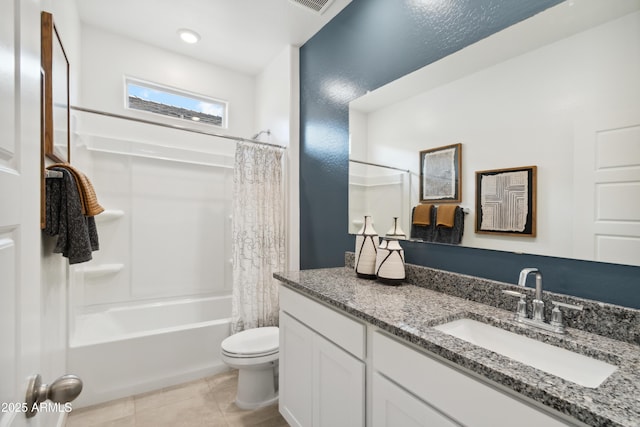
(153, 307)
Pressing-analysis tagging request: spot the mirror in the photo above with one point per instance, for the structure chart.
(55, 92)
(380, 189)
(558, 91)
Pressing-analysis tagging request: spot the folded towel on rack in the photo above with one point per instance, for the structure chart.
(77, 233)
(450, 234)
(422, 215)
(445, 215)
(88, 198)
(424, 228)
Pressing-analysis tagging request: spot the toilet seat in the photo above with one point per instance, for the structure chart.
(252, 343)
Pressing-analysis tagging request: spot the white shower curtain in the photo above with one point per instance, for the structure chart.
(258, 235)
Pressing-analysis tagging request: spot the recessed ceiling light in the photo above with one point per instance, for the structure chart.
(188, 36)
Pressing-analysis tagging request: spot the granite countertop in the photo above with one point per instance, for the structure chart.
(410, 312)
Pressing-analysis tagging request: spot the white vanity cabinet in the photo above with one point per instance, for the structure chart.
(325, 357)
(322, 374)
(414, 388)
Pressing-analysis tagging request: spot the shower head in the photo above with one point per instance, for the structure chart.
(268, 132)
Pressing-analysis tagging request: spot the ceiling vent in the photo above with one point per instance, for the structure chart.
(318, 6)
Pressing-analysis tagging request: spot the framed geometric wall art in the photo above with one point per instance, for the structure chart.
(440, 174)
(506, 201)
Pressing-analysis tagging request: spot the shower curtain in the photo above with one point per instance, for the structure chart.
(258, 235)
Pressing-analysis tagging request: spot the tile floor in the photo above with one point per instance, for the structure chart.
(204, 403)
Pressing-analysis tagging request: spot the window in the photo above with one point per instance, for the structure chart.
(175, 103)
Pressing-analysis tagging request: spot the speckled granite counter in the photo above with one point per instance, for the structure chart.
(410, 312)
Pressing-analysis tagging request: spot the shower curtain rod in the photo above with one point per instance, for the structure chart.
(381, 166)
(177, 127)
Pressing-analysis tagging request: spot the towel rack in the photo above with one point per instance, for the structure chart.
(52, 174)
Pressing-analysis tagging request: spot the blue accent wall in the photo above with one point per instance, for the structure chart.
(369, 44)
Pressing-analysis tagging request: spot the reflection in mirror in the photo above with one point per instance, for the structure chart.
(380, 192)
(558, 91)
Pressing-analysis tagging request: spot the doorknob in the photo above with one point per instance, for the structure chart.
(63, 390)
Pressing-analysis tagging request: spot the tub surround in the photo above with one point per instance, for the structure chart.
(431, 297)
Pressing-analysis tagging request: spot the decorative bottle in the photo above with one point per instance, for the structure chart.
(366, 250)
(395, 231)
(390, 269)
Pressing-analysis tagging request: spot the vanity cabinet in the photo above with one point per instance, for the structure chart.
(394, 406)
(322, 374)
(325, 358)
(430, 392)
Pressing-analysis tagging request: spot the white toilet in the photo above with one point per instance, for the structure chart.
(254, 353)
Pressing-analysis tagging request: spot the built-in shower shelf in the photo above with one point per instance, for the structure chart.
(99, 270)
(109, 215)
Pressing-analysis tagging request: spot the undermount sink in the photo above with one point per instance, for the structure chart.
(566, 364)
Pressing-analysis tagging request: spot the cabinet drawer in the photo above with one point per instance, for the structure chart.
(342, 330)
(459, 396)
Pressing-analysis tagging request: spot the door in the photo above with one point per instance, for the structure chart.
(607, 187)
(21, 338)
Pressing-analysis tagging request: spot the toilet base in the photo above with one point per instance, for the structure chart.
(257, 387)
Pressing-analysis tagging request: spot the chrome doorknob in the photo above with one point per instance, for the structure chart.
(63, 390)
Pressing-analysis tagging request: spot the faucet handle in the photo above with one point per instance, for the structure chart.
(556, 314)
(566, 305)
(521, 312)
(513, 293)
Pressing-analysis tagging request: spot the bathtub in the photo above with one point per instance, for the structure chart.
(123, 351)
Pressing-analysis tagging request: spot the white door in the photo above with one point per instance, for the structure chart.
(21, 337)
(607, 188)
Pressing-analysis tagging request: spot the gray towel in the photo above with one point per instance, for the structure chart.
(77, 234)
(452, 235)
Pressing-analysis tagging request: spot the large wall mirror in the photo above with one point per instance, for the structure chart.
(559, 91)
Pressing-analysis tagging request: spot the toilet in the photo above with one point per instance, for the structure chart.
(254, 352)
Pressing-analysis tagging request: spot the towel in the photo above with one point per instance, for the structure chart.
(77, 233)
(88, 198)
(451, 235)
(418, 230)
(445, 215)
(422, 215)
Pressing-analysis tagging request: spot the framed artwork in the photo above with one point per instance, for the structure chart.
(506, 201)
(55, 92)
(440, 174)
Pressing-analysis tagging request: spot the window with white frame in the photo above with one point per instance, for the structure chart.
(170, 102)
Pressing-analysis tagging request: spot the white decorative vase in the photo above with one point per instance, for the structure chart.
(366, 249)
(390, 268)
(395, 231)
(382, 253)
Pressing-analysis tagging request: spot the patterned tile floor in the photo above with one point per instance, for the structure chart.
(204, 403)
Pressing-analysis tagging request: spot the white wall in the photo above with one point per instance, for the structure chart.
(521, 112)
(55, 277)
(107, 58)
(174, 233)
(277, 109)
(262, 102)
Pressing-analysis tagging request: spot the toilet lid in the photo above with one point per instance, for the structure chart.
(252, 341)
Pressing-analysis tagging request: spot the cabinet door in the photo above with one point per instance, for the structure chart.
(394, 406)
(339, 386)
(295, 379)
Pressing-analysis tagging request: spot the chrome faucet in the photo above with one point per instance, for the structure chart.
(538, 304)
(537, 319)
